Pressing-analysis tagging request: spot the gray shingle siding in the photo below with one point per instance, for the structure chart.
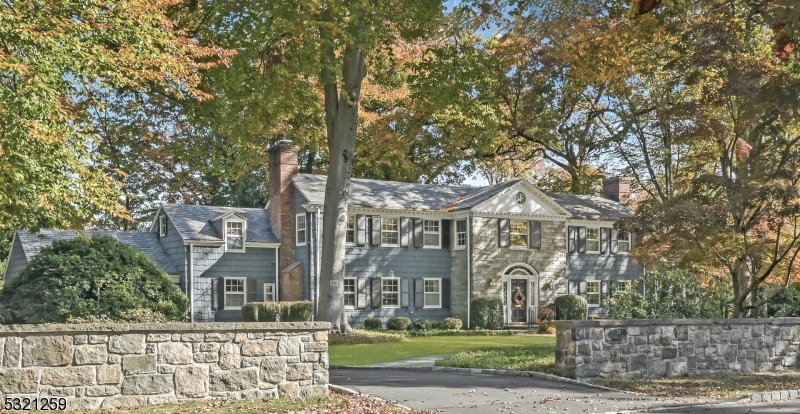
(301, 253)
(16, 261)
(174, 248)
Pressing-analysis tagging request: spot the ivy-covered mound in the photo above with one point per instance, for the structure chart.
(85, 279)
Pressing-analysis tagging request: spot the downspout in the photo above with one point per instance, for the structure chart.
(312, 293)
(317, 258)
(277, 275)
(469, 266)
(190, 273)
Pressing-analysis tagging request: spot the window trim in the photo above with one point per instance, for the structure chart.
(461, 246)
(264, 288)
(438, 234)
(162, 226)
(399, 293)
(347, 230)
(225, 295)
(628, 285)
(620, 241)
(526, 225)
(397, 232)
(355, 292)
(599, 236)
(297, 229)
(599, 293)
(425, 305)
(244, 236)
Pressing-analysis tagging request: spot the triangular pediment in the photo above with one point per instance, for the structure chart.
(533, 202)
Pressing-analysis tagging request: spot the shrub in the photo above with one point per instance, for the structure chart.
(296, 311)
(452, 324)
(547, 328)
(400, 323)
(479, 312)
(373, 323)
(269, 311)
(547, 315)
(84, 278)
(572, 307)
(360, 336)
(250, 312)
(421, 324)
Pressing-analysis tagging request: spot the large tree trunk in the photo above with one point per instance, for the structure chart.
(341, 118)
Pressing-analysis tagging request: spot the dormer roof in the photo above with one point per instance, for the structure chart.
(194, 223)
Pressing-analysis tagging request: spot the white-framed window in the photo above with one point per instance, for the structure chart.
(430, 233)
(390, 231)
(432, 293)
(461, 234)
(300, 229)
(390, 291)
(593, 240)
(622, 286)
(269, 292)
(624, 242)
(162, 226)
(351, 229)
(593, 293)
(519, 233)
(349, 292)
(234, 235)
(235, 292)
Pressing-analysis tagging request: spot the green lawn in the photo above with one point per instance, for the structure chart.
(539, 358)
(366, 354)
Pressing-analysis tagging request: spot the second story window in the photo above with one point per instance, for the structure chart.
(624, 242)
(234, 235)
(519, 233)
(300, 229)
(351, 229)
(461, 233)
(593, 240)
(162, 226)
(390, 231)
(431, 233)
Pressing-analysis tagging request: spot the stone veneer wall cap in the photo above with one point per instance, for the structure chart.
(602, 323)
(13, 330)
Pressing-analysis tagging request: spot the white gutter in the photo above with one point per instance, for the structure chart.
(277, 275)
(190, 282)
(469, 265)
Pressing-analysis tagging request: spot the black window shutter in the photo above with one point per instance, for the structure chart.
(614, 241)
(217, 294)
(536, 234)
(503, 233)
(376, 230)
(252, 290)
(446, 234)
(604, 238)
(571, 239)
(376, 292)
(361, 300)
(446, 293)
(419, 238)
(581, 239)
(361, 229)
(419, 293)
(404, 231)
(404, 292)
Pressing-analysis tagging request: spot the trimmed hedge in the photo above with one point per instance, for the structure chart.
(277, 311)
(424, 324)
(572, 307)
(479, 311)
(373, 323)
(452, 324)
(400, 323)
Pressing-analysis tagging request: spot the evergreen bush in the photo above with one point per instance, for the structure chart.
(479, 311)
(373, 323)
(572, 307)
(400, 323)
(452, 324)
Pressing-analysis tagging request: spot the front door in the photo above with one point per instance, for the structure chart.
(519, 300)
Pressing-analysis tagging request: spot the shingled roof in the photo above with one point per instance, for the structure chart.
(194, 222)
(412, 196)
(147, 243)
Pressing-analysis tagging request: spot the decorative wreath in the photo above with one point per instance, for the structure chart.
(519, 298)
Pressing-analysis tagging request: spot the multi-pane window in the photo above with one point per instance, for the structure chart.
(234, 235)
(350, 292)
(519, 233)
(593, 293)
(390, 231)
(430, 230)
(592, 240)
(234, 292)
(269, 292)
(351, 229)
(433, 293)
(162, 226)
(390, 291)
(461, 233)
(300, 229)
(622, 286)
(624, 242)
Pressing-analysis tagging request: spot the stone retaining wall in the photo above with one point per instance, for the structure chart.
(586, 350)
(125, 365)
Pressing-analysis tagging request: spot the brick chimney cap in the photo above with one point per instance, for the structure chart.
(284, 145)
(616, 178)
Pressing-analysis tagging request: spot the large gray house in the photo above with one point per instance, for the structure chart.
(416, 250)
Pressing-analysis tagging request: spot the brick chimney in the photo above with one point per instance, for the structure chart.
(282, 166)
(617, 189)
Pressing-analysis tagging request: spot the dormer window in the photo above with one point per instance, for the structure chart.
(234, 235)
(162, 226)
